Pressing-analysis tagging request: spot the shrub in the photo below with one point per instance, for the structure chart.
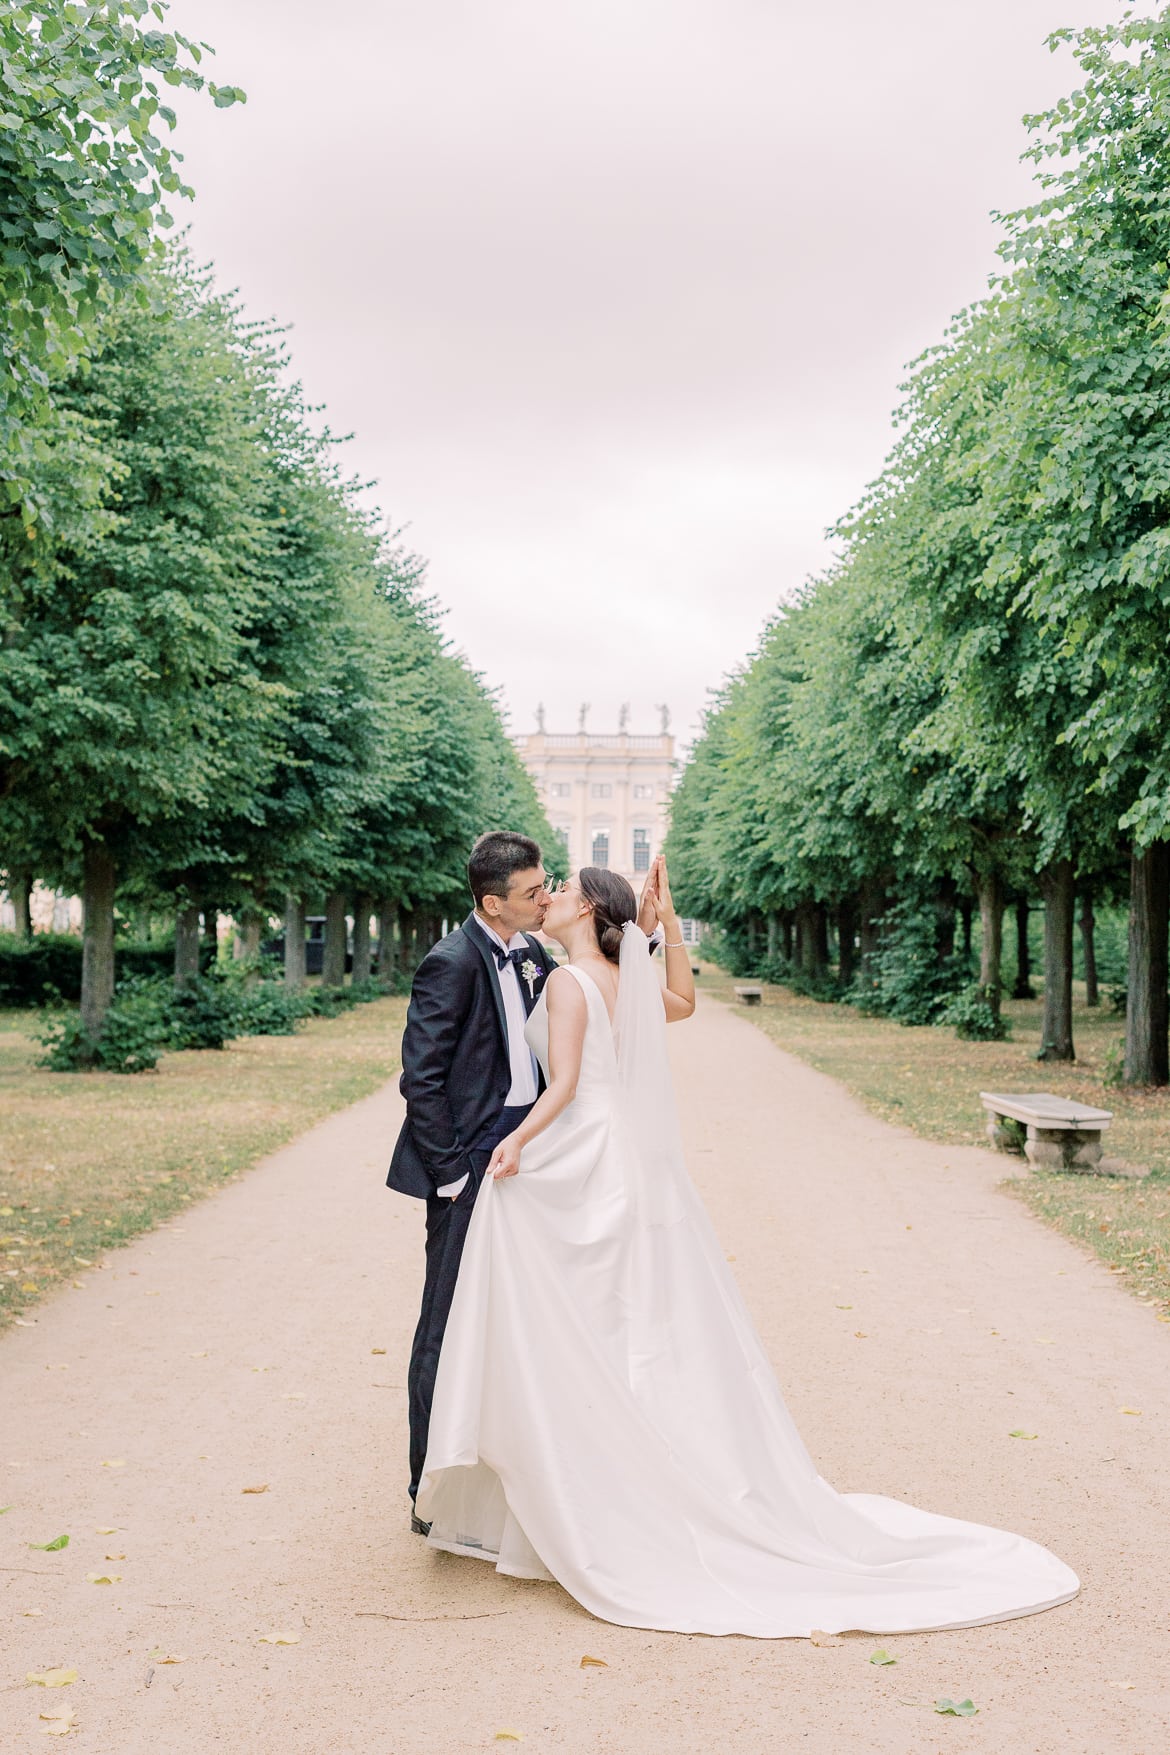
(201, 1014)
(907, 979)
(134, 1035)
(974, 1017)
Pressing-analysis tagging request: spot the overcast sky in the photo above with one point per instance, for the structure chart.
(614, 295)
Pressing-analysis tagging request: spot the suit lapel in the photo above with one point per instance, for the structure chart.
(476, 936)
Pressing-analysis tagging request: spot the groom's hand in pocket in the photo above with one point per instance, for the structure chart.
(505, 1160)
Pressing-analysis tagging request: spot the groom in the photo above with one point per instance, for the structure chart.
(469, 1078)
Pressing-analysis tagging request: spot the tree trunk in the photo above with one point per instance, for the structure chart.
(20, 885)
(387, 944)
(806, 939)
(1088, 926)
(753, 943)
(333, 962)
(820, 938)
(211, 931)
(989, 889)
(773, 935)
(786, 934)
(945, 915)
(294, 942)
(99, 879)
(1056, 882)
(1147, 1059)
(1023, 988)
(247, 938)
(186, 944)
(846, 936)
(965, 912)
(362, 908)
(869, 926)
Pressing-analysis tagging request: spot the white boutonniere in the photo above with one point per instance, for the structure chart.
(530, 973)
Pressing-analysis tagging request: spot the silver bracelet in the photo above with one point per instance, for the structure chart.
(676, 946)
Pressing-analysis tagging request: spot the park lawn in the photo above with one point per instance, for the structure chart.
(929, 1081)
(90, 1160)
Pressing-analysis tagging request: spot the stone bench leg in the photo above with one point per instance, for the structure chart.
(1003, 1139)
(1061, 1148)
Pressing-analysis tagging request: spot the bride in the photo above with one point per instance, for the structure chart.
(604, 1413)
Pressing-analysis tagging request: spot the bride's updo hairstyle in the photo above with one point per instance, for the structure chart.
(613, 905)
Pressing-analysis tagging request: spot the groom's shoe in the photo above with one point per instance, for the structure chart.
(418, 1527)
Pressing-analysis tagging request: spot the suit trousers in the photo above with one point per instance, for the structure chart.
(447, 1222)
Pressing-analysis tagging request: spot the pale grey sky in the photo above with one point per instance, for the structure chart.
(615, 295)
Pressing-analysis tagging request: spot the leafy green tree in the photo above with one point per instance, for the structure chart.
(84, 178)
(128, 697)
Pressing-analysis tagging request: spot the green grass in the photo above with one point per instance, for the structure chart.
(926, 1079)
(90, 1160)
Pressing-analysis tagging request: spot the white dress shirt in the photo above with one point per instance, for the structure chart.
(521, 1060)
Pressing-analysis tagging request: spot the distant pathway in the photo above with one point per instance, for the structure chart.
(915, 1316)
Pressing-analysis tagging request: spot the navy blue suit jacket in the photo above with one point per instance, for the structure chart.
(455, 1066)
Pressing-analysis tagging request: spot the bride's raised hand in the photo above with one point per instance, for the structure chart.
(505, 1160)
(648, 903)
(662, 883)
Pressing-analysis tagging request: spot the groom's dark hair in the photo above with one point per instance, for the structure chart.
(495, 857)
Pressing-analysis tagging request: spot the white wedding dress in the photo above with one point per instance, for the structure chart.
(605, 1415)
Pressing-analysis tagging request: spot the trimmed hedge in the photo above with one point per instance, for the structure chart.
(47, 967)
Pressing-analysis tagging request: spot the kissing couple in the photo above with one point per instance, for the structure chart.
(589, 1400)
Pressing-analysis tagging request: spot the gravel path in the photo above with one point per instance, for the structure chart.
(916, 1318)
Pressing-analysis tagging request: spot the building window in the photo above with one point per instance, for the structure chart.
(601, 847)
(601, 789)
(641, 850)
(692, 932)
(560, 789)
(643, 791)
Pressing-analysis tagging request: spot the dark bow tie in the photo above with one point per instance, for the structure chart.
(503, 958)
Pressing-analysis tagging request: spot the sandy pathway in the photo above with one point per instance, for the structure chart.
(915, 1316)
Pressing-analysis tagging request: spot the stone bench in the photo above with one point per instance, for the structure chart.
(1061, 1134)
(749, 995)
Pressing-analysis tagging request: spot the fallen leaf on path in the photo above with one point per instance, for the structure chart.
(1129, 1411)
(32, 1611)
(377, 1349)
(82, 1261)
(261, 1489)
(202, 1355)
(1018, 1432)
(52, 1678)
(1123, 1684)
(21, 1323)
(4, 1508)
(115, 1556)
(50, 1547)
(295, 1395)
(60, 1723)
(106, 1530)
(843, 1307)
(1044, 1341)
(104, 1577)
(817, 1637)
(602, 1663)
(114, 1462)
(859, 1334)
(957, 1708)
(509, 1737)
(882, 1657)
(279, 1638)
(159, 1658)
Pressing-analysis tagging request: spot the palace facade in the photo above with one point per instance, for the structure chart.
(607, 795)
